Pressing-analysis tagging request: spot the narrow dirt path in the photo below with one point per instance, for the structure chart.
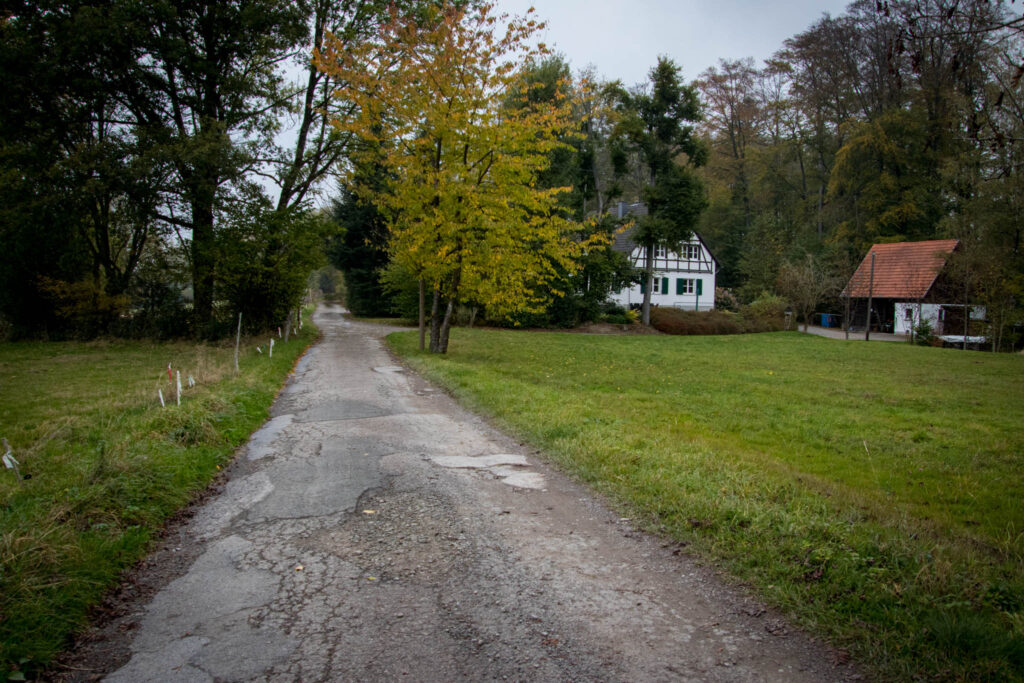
(373, 530)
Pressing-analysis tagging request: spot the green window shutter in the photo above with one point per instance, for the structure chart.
(664, 285)
(700, 287)
(643, 287)
(679, 285)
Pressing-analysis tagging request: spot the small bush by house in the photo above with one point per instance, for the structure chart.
(762, 316)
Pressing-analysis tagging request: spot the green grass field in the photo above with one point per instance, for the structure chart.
(107, 466)
(873, 491)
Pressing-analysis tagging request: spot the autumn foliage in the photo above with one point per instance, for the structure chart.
(442, 105)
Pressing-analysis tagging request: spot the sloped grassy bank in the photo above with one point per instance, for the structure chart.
(108, 465)
(870, 490)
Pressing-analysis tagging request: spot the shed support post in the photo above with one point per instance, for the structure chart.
(846, 319)
(871, 291)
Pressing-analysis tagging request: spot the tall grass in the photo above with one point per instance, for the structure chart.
(871, 490)
(107, 465)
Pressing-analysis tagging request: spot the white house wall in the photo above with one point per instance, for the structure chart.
(902, 323)
(690, 302)
(675, 268)
(906, 315)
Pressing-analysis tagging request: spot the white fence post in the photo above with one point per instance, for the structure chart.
(10, 462)
(238, 339)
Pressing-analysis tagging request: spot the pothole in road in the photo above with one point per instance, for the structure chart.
(260, 442)
(501, 465)
(477, 462)
(413, 535)
(343, 409)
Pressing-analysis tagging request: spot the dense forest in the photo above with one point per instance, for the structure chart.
(145, 187)
(896, 121)
(147, 191)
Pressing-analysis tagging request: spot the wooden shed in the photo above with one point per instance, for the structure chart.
(906, 282)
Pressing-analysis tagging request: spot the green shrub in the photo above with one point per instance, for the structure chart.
(767, 313)
(615, 314)
(677, 321)
(924, 334)
(725, 300)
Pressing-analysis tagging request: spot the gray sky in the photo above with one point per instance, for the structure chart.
(623, 39)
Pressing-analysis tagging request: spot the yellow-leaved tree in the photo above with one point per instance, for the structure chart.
(431, 94)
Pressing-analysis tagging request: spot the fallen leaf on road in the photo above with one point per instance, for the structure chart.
(369, 512)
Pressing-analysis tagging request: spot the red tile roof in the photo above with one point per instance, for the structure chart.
(904, 270)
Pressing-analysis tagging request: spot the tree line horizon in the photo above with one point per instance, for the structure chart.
(140, 156)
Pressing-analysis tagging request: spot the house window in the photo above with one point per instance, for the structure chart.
(660, 286)
(659, 252)
(685, 286)
(908, 313)
(691, 252)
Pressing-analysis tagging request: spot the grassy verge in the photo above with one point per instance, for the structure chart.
(108, 465)
(870, 490)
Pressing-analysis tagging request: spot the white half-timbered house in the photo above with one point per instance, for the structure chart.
(682, 280)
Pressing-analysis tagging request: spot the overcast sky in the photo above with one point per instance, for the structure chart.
(623, 38)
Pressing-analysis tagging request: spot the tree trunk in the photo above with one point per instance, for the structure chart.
(821, 210)
(998, 341)
(423, 312)
(649, 267)
(449, 313)
(203, 263)
(446, 326)
(967, 312)
(435, 322)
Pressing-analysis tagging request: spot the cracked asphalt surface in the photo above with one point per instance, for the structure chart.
(373, 530)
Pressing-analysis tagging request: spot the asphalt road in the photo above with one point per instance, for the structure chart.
(375, 531)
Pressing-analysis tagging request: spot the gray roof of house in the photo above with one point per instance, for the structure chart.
(624, 238)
